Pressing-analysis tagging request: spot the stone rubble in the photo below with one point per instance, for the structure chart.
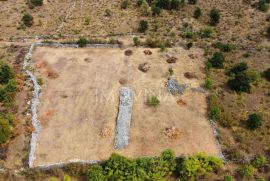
(174, 87)
(124, 118)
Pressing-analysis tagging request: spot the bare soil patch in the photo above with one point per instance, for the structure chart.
(79, 107)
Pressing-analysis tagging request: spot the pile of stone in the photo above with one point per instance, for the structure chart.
(144, 67)
(174, 87)
(172, 132)
(171, 59)
(124, 118)
(147, 52)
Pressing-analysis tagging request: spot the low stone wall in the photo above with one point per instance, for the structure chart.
(124, 118)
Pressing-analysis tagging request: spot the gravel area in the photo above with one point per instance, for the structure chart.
(124, 118)
(174, 87)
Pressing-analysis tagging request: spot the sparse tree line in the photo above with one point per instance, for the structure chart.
(8, 89)
(157, 168)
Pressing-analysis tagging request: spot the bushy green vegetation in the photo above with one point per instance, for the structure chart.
(217, 61)
(206, 32)
(214, 17)
(259, 161)
(198, 165)
(254, 121)
(122, 168)
(263, 5)
(197, 13)
(36, 2)
(124, 4)
(266, 74)
(28, 20)
(238, 68)
(247, 171)
(143, 26)
(240, 83)
(5, 130)
(136, 41)
(82, 42)
(208, 83)
(228, 178)
(153, 101)
(227, 47)
(214, 113)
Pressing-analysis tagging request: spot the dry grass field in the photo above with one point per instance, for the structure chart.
(79, 103)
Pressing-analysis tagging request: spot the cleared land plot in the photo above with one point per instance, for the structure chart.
(80, 97)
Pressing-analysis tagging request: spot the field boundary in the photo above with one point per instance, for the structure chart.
(35, 102)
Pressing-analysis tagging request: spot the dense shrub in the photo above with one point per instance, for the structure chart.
(254, 121)
(189, 45)
(224, 47)
(195, 166)
(153, 101)
(240, 83)
(170, 4)
(259, 161)
(206, 32)
(263, 5)
(27, 20)
(228, 178)
(5, 73)
(268, 31)
(95, 173)
(82, 42)
(217, 61)
(5, 130)
(238, 68)
(208, 83)
(121, 168)
(124, 4)
(36, 2)
(156, 11)
(197, 13)
(175, 4)
(214, 17)
(143, 26)
(266, 74)
(247, 171)
(192, 1)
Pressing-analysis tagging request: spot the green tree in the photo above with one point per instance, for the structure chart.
(5, 73)
(217, 61)
(197, 13)
(95, 173)
(214, 17)
(254, 121)
(143, 26)
(206, 32)
(266, 74)
(240, 83)
(175, 4)
(263, 5)
(238, 68)
(28, 20)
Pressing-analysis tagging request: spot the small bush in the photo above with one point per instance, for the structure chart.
(28, 20)
(192, 1)
(238, 68)
(5, 73)
(201, 164)
(247, 171)
(95, 173)
(5, 130)
(170, 70)
(36, 2)
(208, 83)
(214, 17)
(136, 41)
(217, 61)
(228, 178)
(197, 13)
(266, 74)
(82, 42)
(189, 45)
(153, 101)
(260, 179)
(124, 4)
(206, 32)
(156, 11)
(254, 76)
(268, 31)
(215, 113)
(240, 83)
(176, 4)
(263, 5)
(254, 121)
(143, 26)
(259, 161)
